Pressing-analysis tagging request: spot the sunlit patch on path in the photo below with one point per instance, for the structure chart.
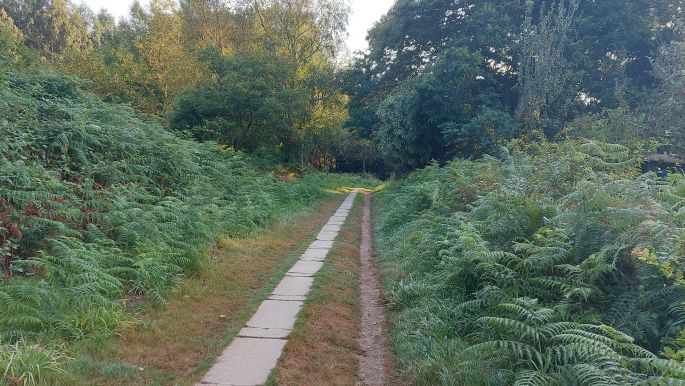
(251, 356)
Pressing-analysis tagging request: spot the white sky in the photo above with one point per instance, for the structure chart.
(364, 14)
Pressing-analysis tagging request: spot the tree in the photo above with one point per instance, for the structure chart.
(214, 23)
(415, 33)
(545, 62)
(52, 27)
(400, 140)
(170, 65)
(543, 80)
(248, 106)
(429, 116)
(10, 36)
(309, 34)
(482, 134)
(306, 31)
(666, 108)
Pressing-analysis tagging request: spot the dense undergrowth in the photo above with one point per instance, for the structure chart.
(558, 265)
(98, 205)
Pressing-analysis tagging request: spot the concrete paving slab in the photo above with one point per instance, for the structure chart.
(297, 286)
(315, 254)
(288, 298)
(268, 333)
(290, 274)
(322, 244)
(306, 267)
(331, 228)
(327, 235)
(312, 259)
(246, 361)
(275, 314)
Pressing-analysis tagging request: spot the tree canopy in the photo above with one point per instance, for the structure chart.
(542, 62)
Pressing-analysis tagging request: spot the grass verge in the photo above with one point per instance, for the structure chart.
(323, 348)
(178, 343)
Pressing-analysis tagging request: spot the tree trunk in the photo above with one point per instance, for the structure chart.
(6, 272)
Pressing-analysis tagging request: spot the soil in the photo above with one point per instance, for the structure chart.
(376, 366)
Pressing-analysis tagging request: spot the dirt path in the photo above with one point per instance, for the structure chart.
(376, 365)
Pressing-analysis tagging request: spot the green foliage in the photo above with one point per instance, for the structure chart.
(543, 79)
(665, 107)
(29, 364)
(544, 62)
(9, 36)
(401, 141)
(612, 126)
(248, 106)
(558, 265)
(482, 134)
(446, 111)
(51, 26)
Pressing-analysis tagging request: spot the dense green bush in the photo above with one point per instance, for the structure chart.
(97, 204)
(560, 265)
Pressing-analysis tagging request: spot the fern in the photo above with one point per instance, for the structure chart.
(563, 268)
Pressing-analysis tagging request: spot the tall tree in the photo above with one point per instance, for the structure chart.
(215, 23)
(303, 30)
(543, 71)
(666, 105)
(172, 67)
(309, 33)
(52, 27)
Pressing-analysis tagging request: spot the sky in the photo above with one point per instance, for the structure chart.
(364, 14)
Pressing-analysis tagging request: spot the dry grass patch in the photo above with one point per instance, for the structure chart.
(323, 349)
(178, 343)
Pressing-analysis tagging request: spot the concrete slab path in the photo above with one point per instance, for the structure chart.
(253, 354)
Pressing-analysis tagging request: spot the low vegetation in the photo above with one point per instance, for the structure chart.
(557, 264)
